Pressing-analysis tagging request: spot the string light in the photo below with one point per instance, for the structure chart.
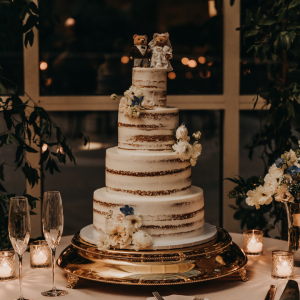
(171, 75)
(210, 63)
(192, 63)
(202, 60)
(69, 22)
(124, 59)
(43, 65)
(185, 61)
(48, 81)
(44, 148)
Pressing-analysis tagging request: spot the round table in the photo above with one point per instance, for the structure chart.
(228, 288)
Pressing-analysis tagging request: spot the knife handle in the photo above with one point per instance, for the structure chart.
(271, 293)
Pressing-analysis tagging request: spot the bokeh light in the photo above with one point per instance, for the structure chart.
(124, 59)
(171, 75)
(206, 74)
(185, 61)
(189, 75)
(69, 22)
(48, 81)
(202, 60)
(210, 63)
(44, 148)
(192, 63)
(43, 65)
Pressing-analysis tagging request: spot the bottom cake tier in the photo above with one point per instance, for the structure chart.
(165, 218)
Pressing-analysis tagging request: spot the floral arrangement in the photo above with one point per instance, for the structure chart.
(123, 231)
(133, 102)
(281, 183)
(186, 150)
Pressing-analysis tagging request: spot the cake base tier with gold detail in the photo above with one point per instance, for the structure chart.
(212, 260)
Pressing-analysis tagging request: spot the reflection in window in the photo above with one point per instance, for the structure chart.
(77, 183)
(87, 51)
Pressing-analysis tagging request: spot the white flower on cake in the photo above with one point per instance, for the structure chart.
(197, 135)
(134, 111)
(182, 133)
(123, 105)
(133, 222)
(282, 194)
(141, 239)
(148, 104)
(103, 241)
(118, 234)
(184, 150)
(259, 196)
(120, 218)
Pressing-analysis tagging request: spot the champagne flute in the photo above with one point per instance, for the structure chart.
(19, 230)
(53, 222)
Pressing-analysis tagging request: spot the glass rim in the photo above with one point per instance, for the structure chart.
(18, 198)
(52, 192)
(282, 253)
(39, 243)
(253, 231)
(7, 253)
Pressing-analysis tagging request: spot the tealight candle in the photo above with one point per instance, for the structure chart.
(40, 255)
(7, 265)
(253, 242)
(282, 264)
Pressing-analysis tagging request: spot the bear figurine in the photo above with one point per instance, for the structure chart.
(140, 51)
(161, 51)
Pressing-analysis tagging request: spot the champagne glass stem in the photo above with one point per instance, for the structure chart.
(20, 277)
(53, 269)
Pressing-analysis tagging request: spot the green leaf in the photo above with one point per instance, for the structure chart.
(281, 14)
(19, 152)
(29, 36)
(251, 33)
(31, 22)
(33, 8)
(14, 139)
(2, 88)
(33, 117)
(267, 22)
(44, 128)
(294, 3)
(19, 129)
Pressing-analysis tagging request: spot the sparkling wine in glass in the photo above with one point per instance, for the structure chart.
(53, 223)
(19, 230)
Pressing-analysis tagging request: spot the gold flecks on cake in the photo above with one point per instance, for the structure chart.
(171, 226)
(146, 174)
(142, 149)
(145, 127)
(149, 193)
(158, 116)
(106, 204)
(152, 138)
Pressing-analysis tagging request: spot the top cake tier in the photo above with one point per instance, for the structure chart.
(153, 82)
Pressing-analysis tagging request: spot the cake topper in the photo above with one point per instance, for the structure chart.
(161, 51)
(140, 51)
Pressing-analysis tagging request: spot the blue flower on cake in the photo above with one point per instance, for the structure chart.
(294, 170)
(279, 162)
(127, 210)
(185, 150)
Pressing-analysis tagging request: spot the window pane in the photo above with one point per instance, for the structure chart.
(252, 73)
(83, 51)
(77, 183)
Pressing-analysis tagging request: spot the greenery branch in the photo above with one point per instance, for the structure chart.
(273, 27)
(28, 126)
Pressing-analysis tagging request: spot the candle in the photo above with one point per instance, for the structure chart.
(282, 264)
(253, 242)
(7, 265)
(40, 255)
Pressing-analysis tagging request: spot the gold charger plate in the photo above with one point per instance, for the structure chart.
(212, 260)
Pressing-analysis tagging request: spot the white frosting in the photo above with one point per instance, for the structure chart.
(142, 174)
(153, 82)
(165, 218)
(153, 130)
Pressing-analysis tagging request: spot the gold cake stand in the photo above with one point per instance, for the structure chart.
(214, 259)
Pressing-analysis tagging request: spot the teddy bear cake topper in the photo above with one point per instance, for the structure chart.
(157, 55)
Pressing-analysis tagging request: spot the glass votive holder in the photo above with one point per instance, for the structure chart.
(7, 265)
(253, 242)
(282, 266)
(40, 255)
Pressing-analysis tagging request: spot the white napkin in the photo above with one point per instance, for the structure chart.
(176, 297)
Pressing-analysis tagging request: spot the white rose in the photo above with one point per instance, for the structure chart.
(141, 240)
(147, 103)
(282, 194)
(103, 242)
(118, 234)
(292, 158)
(133, 111)
(197, 149)
(184, 150)
(271, 183)
(130, 92)
(197, 135)
(138, 93)
(123, 108)
(259, 196)
(276, 172)
(182, 133)
(125, 101)
(133, 222)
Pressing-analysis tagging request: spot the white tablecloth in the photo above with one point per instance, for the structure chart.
(229, 288)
